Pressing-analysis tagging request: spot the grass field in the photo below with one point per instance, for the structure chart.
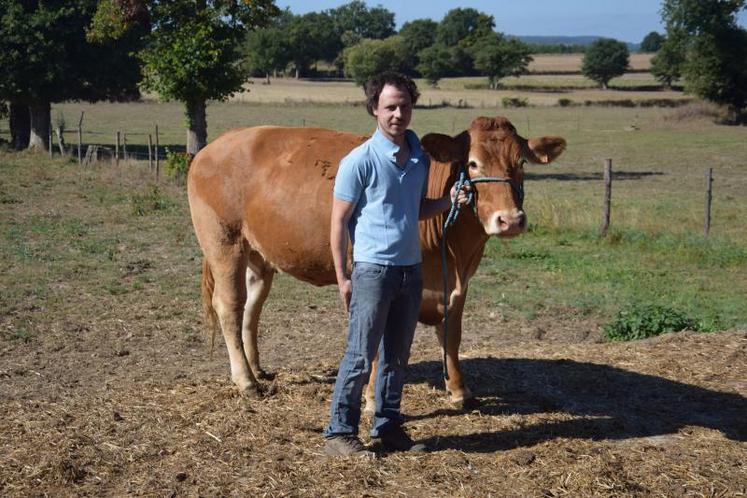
(659, 160)
(569, 63)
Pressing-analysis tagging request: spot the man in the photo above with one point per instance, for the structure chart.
(379, 196)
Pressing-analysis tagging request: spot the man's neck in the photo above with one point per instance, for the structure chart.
(399, 140)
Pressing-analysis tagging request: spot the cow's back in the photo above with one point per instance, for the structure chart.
(273, 186)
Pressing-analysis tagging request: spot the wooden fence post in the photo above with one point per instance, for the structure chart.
(150, 152)
(50, 142)
(158, 168)
(80, 138)
(607, 198)
(60, 140)
(708, 197)
(124, 145)
(116, 149)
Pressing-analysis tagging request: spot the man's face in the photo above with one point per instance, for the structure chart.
(394, 111)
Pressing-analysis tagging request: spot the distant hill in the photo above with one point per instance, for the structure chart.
(566, 40)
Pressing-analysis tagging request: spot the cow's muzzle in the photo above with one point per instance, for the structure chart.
(507, 223)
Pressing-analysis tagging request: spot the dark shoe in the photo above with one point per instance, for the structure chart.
(396, 439)
(346, 445)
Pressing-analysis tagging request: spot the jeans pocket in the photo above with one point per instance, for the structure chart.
(368, 270)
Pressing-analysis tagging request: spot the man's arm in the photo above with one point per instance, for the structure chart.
(433, 207)
(338, 238)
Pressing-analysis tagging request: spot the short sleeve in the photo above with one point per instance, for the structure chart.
(349, 182)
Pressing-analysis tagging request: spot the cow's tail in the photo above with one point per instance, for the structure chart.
(211, 317)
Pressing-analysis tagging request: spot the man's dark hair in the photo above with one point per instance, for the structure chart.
(376, 83)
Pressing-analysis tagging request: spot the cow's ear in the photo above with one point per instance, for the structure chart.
(544, 150)
(446, 149)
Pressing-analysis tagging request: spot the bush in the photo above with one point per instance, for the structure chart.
(640, 321)
(565, 102)
(514, 102)
(177, 164)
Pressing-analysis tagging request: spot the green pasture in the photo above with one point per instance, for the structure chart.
(104, 230)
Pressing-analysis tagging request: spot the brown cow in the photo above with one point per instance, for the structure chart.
(261, 199)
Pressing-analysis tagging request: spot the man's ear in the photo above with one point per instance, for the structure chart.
(544, 150)
(446, 149)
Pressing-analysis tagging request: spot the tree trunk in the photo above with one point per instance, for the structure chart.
(39, 136)
(267, 78)
(20, 126)
(197, 127)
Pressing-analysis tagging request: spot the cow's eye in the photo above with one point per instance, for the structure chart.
(472, 165)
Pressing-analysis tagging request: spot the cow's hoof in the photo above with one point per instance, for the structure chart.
(252, 391)
(465, 404)
(264, 375)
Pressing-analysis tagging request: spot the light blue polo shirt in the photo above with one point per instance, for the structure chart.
(384, 224)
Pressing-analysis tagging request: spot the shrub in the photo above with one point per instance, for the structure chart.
(564, 102)
(514, 102)
(639, 321)
(177, 164)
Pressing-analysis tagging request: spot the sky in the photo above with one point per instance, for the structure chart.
(625, 20)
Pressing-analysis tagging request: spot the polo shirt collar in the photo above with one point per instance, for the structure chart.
(390, 149)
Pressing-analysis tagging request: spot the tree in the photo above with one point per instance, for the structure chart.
(666, 65)
(311, 38)
(46, 58)
(439, 61)
(354, 22)
(605, 59)
(371, 57)
(268, 50)
(712, 47)
(418, 35)
(457, 25)
(652, 42)
(716, 69)
(192, 53)
(496, 57)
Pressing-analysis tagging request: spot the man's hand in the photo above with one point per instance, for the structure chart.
(346, 291)
(461, 196)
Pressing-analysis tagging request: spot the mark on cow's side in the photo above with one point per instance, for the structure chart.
(325, 165)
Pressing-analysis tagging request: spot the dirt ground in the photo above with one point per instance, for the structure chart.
(131, 403)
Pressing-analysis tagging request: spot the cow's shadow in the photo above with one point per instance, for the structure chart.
(606, 402)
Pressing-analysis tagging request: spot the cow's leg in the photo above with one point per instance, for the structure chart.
(370, 392)
(258, 282)
(455, 385)
(229, 298)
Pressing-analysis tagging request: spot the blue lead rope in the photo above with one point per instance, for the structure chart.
(450, 219)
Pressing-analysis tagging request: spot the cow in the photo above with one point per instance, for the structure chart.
(260, 200)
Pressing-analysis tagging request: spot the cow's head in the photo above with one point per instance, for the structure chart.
(492, 148)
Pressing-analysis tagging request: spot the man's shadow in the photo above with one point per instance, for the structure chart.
(614, 403)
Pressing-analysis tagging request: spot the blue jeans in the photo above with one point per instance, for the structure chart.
(384, 311)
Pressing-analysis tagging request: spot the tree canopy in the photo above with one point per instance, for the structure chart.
(46, 58)
(191, 51)
(605, 59)
(370, 57)
(652, 42)
(497, 57)
(710, 49)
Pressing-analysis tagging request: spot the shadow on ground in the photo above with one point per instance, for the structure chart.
(611, 403)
